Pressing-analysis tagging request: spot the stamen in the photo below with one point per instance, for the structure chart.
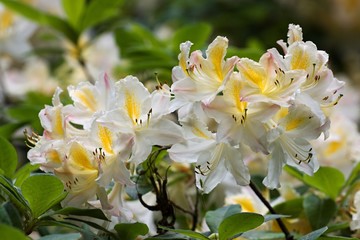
(31, 139)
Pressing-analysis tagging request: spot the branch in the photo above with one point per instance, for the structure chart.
(282, 226)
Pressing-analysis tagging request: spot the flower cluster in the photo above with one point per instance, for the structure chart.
(223, 106)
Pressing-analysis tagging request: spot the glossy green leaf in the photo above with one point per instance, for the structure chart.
(24, 172)
(11, 233)
(188, 233)
(337, 227)
(42, 18)
(42, 191)
(8, 158)
(168, 235)
(314, 235)
(239, 223)
(214, 218)
(328, 180)
(319, 211)
(294, 172)
(67, 236)
(10, 215)
(291, 208)
(14, 194)
(99, 10)
(197, 33)
(130, 231)
(74, 10)
(72, 211)
(269, 217)
(91, 224)
(262, 235)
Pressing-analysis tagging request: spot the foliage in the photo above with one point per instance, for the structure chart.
(33, 198)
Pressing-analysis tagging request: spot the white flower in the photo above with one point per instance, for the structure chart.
(289, 142)
(91, 101)
(200, 79)
(213, 159)
(135, 121)
(15, 32)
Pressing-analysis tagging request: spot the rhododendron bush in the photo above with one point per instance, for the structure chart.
(215, 145)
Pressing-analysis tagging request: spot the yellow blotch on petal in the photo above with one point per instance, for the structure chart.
(53, 156)
(294, 123)
(300, 60)
(234, 88)
(58, 129)
(245, 203)
(105, 137)
(6, 20)
(197, 131)
(86, 97)
(254, 75)
(80, 157)
(333, 147)
(132, 107)
(216, 56)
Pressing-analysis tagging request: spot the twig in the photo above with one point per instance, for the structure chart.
(282, 226)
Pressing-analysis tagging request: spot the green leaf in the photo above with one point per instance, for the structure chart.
(42, 18)
(7, 130)
(214, 218)
(91, 224)
(262, 235)
(10, 215)
(197, 33)
(294, 172)
(337, 227)
(17, 112)
(129, 231)
(291, 208)
(239, 223)
(337, 238)
(74, 10)
(172, 236)
(68, 211)
(314, 235)
(10, 233)
(24, 172)
(98, 11)
(328, 180)
(269, 217)
(42, 191)
(187, 233)
(355, 173)
(8, 158)
(135, 36)
(14, 195)
(67, 236)
(319, 211)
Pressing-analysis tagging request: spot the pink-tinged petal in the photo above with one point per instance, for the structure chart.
(184, 55)
(134, 98)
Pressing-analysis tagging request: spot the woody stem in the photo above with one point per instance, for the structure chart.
(281, 224)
